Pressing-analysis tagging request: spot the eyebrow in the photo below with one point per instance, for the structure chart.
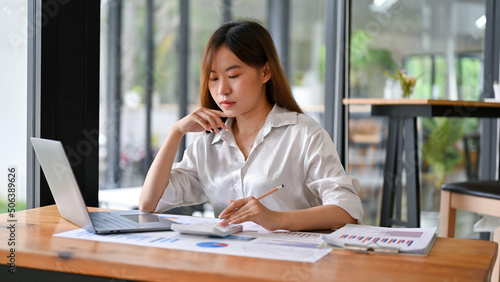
(229, 68)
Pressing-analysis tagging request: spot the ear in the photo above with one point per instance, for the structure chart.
(266, 73)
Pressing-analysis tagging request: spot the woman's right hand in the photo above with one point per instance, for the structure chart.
(159, 173)
(200, 120)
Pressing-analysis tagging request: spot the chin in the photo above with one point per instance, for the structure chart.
(230, 113)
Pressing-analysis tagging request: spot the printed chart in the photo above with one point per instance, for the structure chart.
(254, 241)
(390, 238)
(410, 240)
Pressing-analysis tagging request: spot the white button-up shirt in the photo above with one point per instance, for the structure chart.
(290, 149)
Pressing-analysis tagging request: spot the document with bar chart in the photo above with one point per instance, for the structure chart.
(365, 238)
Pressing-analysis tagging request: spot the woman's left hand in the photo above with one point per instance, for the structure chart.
(250, 209)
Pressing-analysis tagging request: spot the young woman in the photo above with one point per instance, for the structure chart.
(258, 138)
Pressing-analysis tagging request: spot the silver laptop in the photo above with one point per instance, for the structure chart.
(71, 205)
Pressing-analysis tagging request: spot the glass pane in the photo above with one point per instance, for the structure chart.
(204, 19)
(440, 43)
(307, 55)
(123, 112)
(123, 91)
(250, 9)
(13, 109)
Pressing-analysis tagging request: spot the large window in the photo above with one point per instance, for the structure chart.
(441, 43)
(307, 52)
(13, 109)
(141, 43)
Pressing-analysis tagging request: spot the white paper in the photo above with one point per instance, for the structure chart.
(253, 241)
(407, 240)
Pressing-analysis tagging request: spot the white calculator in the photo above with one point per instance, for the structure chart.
(207, 228)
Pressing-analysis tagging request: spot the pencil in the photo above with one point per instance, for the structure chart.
(258, 198)
(270, 192)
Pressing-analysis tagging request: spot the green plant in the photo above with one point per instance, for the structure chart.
(439, 150)
(406, 81)
(367, 64)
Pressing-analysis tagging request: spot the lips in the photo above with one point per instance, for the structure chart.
(226, 103)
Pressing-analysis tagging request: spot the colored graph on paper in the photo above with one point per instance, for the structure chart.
(405, 239)
(388, 240)
(254, 241)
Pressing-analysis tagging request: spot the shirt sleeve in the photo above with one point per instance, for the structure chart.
(184, 187)
(326, 176)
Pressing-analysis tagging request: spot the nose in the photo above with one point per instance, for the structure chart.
(224, 87)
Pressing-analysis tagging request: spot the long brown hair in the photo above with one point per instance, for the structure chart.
(253, 45)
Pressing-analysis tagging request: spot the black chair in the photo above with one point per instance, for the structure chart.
(482, 197)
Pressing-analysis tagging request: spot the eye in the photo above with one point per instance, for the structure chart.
(213, 79)
(234, 76)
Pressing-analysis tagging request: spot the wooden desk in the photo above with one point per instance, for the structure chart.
(449, 260)
(402, 141)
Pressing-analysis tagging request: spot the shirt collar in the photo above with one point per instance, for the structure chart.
(277, 117)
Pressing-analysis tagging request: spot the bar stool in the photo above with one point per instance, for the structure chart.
(482, 197)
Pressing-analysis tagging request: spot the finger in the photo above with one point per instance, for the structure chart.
(208, 120)
(251, 211)
(233, 206)
(230, 218)
(212, 121)
(218, 114)
(225, 212)
(228, 212)
(208, 123)
(195, 118)
(238, 217)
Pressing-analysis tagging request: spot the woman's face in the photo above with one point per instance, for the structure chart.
(236, 87)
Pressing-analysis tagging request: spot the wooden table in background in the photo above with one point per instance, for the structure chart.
(402, 150)
(40, 254)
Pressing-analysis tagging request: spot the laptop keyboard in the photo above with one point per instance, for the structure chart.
(109, 221)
